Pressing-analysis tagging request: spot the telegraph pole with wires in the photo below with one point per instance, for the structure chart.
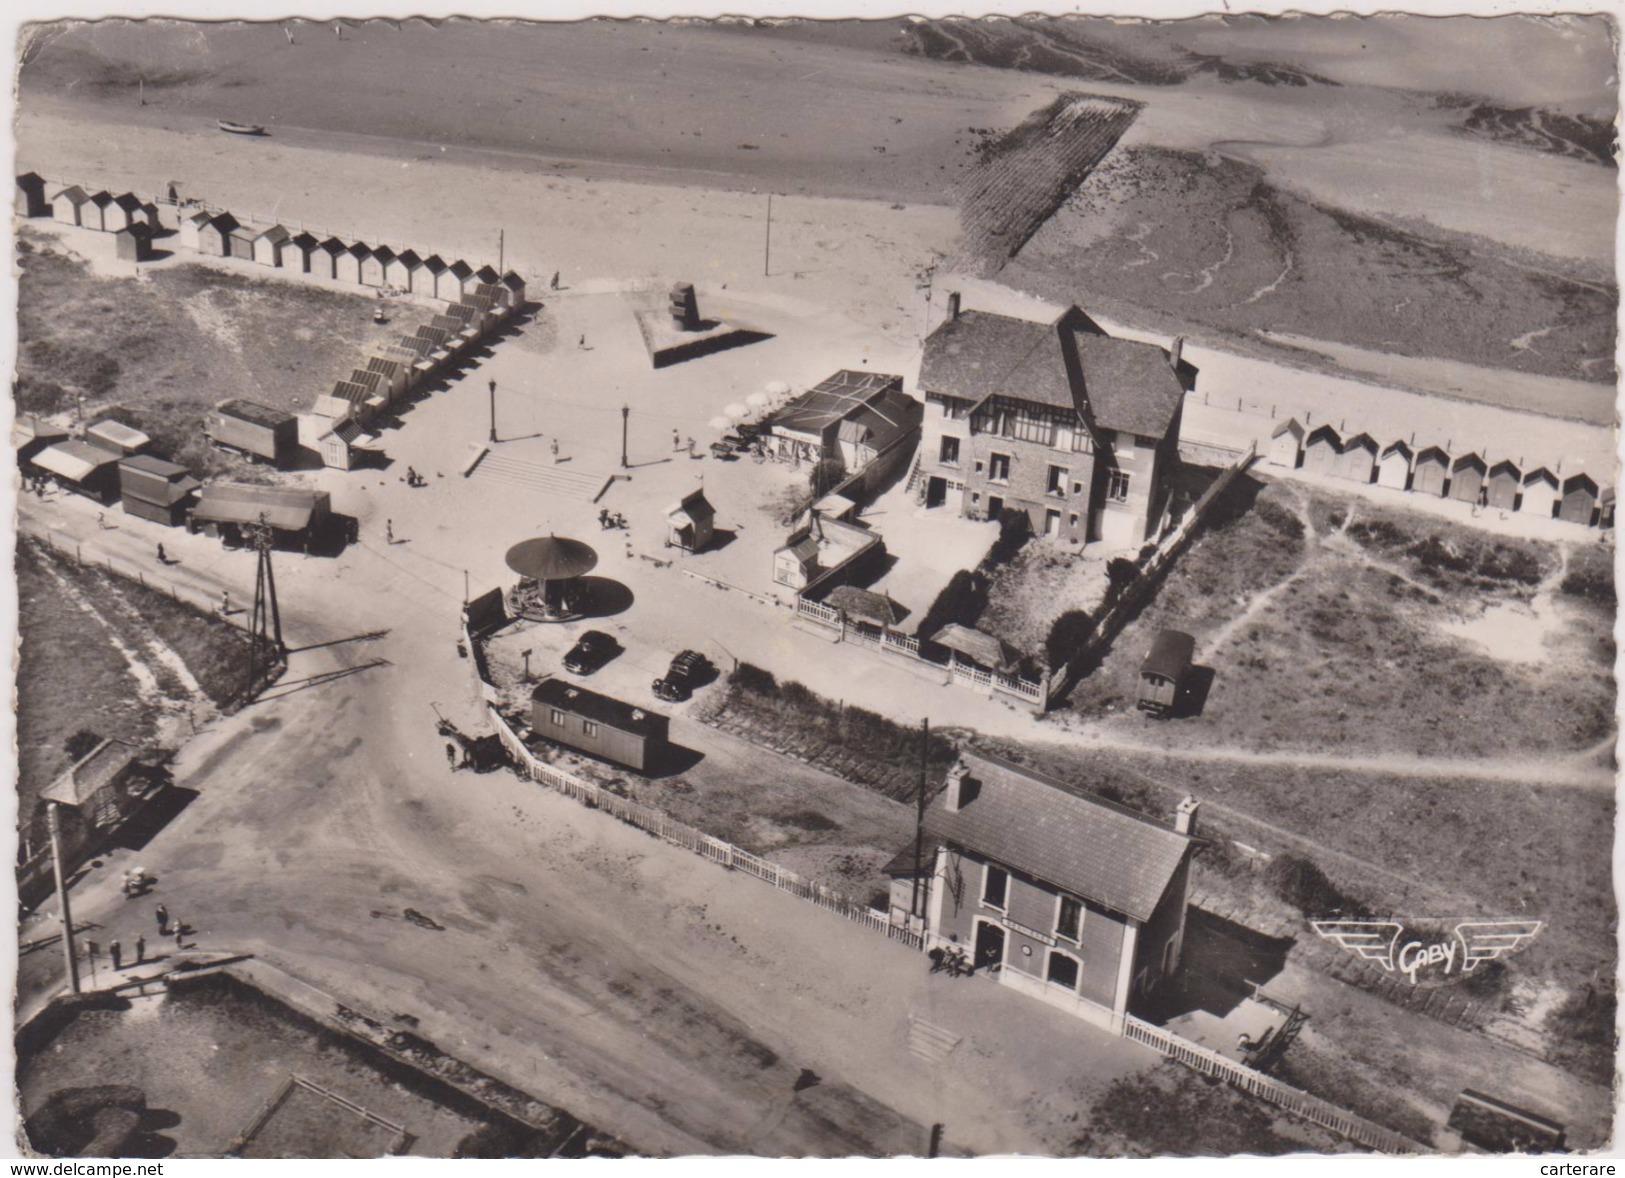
(266, 648)
(919, 818)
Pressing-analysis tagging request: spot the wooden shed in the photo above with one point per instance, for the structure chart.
(191, 230)
(1541, 494)
(1357, 459)
(155, 490)
(347, 266)
(254, 429)
(1431, 472)
(296, 514)
(563, 712)
(1162, 674)
(1505, 481)
(298, 253)
(214, 235)
(393, 375)
(324, 261)
(515, 287)
(81, 468)
(117, 438)
(94, 213)
(691, 522)
(1579, 504)
(433, 267)
(29, 435)
(1467, 479)
(31, 200)
(399, 270)
(68, 205)
(240, 241)
(122, 211)
(374, 265)
(1394, 467)
(347, 446)
(1286, 444)
(133, 243)
(1320, 450)
(269, 246)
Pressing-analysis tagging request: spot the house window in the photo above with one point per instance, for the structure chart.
(978, 466)
(1073, 519)
(555, 716)
(588, 728)
(998, 468)
(995, 886)
(1117, 487)
(1057, 481)
(1063, 970)
(950, 451)
(1077, 488)
(1068, 918)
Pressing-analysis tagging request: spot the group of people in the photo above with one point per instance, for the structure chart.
(951, 961)
(608, 519)
(135, 884)
(414, 479)
(37, 483)
(678, 443)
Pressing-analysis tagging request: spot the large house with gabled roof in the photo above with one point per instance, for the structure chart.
(1074, 427)
(1052, 889)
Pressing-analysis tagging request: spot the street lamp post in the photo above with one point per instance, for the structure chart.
(626, 412)
(492, 385)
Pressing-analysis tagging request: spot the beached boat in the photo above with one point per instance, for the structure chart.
(240, 128)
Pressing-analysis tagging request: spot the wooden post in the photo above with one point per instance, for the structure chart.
(55, 823)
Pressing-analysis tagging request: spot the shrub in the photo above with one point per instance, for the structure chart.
(1595, 583)
(1584, 1029)
(753, 679)
(1120, 574)
(78, 745)
(1067, 636)
(962, 600)
(1015, 529)
(825, 476)
(1302, 884)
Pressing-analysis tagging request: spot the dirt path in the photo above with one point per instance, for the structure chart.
(1216, 642)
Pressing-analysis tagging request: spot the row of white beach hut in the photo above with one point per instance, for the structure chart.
(222, 235)
(1504, 485)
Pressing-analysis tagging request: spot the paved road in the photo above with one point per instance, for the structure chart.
(638, 986)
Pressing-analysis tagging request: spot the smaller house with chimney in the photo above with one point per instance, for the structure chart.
(1053, 890)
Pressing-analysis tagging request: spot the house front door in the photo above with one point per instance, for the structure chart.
(1052, 522)
(936, 492)
(989, 944)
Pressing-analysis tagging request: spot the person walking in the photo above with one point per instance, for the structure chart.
(140, 949)
(163, 920)
(180, 936)
(691, 448)
(225, 601)
(116, 952)
(163, 557)
(676, 440)
(389, 531)
(451, 755)
(555, 451)
(555, 282)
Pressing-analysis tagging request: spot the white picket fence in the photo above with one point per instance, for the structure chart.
(1256, 1083)
(681, 834)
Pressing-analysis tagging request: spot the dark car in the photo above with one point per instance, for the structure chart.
(688, 670)
(591, 651)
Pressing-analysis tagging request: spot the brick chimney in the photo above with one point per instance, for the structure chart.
(960, 788)
(1185, 816)
(953, 304)
(1175, 351)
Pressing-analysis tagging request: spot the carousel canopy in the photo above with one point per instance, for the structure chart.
(551, 558)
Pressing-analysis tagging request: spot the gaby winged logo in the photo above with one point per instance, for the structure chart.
(1450, 956)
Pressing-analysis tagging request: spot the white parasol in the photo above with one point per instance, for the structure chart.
(721, 423)
(735, 410)
(758, 400)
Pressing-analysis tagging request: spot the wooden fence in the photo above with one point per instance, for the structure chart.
(681, 834)
(1256, 1083)
(1110, 623)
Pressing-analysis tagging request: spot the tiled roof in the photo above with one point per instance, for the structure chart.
(834, 399)
(1067, 364)
(1131, 387)
(1064, 836)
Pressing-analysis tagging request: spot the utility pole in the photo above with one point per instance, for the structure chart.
(266, 648)
(626, 412)
(767, 244)
(919, 819)
(492, 385)
(55, 822)
(502, 235)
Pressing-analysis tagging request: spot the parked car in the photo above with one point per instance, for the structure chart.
(591, 651)
(687, 671)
